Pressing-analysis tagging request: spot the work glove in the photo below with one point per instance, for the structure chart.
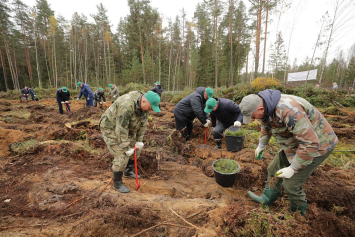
(67, 102)
(104, 102)
(287, 172)
(259, 152)
(237, 124)
(129, 152)
(62, 102)
(207, 123)
(24, 95)
(88, 98)
(77, 98)
(139, 145)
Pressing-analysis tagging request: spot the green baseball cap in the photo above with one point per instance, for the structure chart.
(78, 84)
(210, 104)
(110, 86)
(157, 83)
(209, 92)
(64, 89)
(100, 89)
(154, 100)
(248, 105)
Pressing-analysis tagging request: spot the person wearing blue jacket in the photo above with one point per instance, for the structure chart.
(86, 92)
(32, 93)
(227, 113)
(63, 96)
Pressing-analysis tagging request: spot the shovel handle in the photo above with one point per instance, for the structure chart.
(205, 135)
(135, 167)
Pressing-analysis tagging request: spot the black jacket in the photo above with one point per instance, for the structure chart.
(227, 112)
(157, 89)
(25, 91)
(98, 95)
(192, 106)
(62, 96)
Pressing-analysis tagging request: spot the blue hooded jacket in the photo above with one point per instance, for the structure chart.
(271, 98)
(86, 91)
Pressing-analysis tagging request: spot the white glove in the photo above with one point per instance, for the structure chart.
(259, 152)
(67, 102)
(77, 98)
(237, 124)
(24, 95)
(88, 98)
(129, 152)
(139, 145)
(34, 95)
(287, 172)
(62, 102)
(104, 102)
(207, 123)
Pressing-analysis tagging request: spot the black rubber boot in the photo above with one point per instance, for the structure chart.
(129, 170)
(117, 182)
(268, 197)
(301, 208)
(219, 143)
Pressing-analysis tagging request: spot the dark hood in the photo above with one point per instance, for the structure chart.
(201, 91)
(271, 98)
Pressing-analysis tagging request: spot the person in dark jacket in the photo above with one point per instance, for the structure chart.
(157, 89)
(227, 113)
(191, 107)
(87, 92)
(25, 93)
(98, 96)
(63, 96)
(32, 93)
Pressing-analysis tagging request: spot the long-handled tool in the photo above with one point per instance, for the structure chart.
(26, 97)
(67, 107)
(135, 168)
(205, 135)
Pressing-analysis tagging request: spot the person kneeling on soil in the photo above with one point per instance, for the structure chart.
(114, 93)
(63, 96)
(25, 92)
(123, 126)
(98, 96)
(32, 93)
(305, 137)
(227, 112)
(87, 92)
(191, 107)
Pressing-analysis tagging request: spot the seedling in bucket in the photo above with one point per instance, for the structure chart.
(225, 171)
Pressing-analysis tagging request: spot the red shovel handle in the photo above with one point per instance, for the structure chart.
(135, 168)
(206, 135)
(66, 107)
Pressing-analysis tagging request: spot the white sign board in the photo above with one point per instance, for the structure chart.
(301, 76)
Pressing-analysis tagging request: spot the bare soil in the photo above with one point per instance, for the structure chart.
(61, 184)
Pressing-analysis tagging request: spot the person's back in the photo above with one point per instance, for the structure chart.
(227, 112)
(157, 89)
(191, 104)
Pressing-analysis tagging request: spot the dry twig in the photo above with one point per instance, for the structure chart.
(105, 187)
(164, 223)
(21, 226)
(184, 219)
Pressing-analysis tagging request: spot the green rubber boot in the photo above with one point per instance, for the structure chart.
(268, 197)
(301, 208)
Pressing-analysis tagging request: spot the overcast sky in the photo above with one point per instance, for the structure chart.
(302, 17)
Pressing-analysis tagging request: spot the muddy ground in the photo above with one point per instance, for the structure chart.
(55, 179)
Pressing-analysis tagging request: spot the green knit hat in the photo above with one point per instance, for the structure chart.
(210, 104)
(78, 84)
(154, 100)
(209, 92)
(64, 89)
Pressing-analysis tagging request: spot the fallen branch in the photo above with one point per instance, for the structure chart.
(164, 223)
(105, 187)
(21, 226)
(70, 204)
(339, 104)
(184, 219)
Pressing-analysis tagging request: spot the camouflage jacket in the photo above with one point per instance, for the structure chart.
(126, 120)
(114, 93)
(300, 129)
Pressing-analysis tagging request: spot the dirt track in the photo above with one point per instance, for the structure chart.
(55, 184)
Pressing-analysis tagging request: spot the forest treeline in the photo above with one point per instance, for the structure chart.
(217, 47)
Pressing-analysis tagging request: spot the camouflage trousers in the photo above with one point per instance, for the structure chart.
(120, 160)
(293, 186)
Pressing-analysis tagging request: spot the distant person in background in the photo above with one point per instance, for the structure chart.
(114, 93)
(87, 92)
(32, 93)
(98, 96)
(157, 89)
(63, 96)
(335, 86)
(25, 93)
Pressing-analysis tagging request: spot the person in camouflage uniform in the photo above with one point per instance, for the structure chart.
(98, 96)
(114, 93)
(123, 126)
(305, 138)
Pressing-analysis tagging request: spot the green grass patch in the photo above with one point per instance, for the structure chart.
(22, 148)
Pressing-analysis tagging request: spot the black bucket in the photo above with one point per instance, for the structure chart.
(226, 180)
(234, 143)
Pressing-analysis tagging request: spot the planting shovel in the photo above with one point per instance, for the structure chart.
(67, 108)
(26, 97)
(135, 168)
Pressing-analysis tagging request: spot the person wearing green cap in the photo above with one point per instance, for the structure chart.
(157, 88)
(123, 126)
(114, 93)
(305, 138)
(63, 96)
(191, 107)
(98, 96)
(86, 91)
(227, 113)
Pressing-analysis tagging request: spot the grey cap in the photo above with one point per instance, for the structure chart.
(248, 105)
